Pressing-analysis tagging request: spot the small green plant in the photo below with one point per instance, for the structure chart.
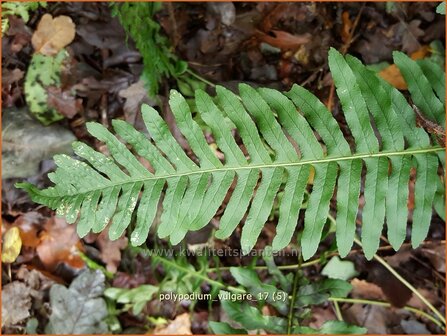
(106, 189)
(159, 61)
(21, 9)
(441, 8)
(135, 298)
(292, 297)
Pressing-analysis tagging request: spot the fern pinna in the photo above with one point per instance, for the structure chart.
(286, 137)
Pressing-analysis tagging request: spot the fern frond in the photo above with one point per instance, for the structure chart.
(286, 136)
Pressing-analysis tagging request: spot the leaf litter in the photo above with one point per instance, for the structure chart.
(264, 44)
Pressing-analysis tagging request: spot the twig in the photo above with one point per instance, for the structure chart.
(192, 73)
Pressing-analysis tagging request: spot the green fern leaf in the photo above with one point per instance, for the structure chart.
(285, 136)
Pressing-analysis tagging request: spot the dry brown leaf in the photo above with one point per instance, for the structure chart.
(60, 243)
(180, 326)
(393, 76)
(16, 303)
(363, 289)
(29, 225)
(135, 95)
(435, 252)
(53, 34)
(63, 101)
(392, 73)
(284, 40)
(111, 250)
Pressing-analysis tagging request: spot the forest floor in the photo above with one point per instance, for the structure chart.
(263, 44)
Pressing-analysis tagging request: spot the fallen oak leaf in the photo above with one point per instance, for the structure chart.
(53, 34)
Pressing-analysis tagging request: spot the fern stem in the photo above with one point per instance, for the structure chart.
(263, 268)
(198, 275)
(266, 165)
(293, 296)
(406, 283)
(200, 78)
(387, 304)
(337, 311)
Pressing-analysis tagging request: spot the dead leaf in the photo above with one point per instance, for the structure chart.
(180, 326)
(20, 32)
(366, 290)
(284, 40)
(12, 243)
(53, 34)
(36, 280)
(63, 101)
(60, 243)
(111, 250)
(429, 294)
(29, 224)
(16, 303)
(80, 308)
(393, 75)
(410, 37)
(374, 318)
(135, 95)
(436, 254)
(11, 76)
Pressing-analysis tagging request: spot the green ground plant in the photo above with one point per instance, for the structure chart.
(159, 59)
(21, 9)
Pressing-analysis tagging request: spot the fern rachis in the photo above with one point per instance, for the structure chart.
(110, 187)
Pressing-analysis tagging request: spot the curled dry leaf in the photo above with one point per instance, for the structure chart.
(53, 34)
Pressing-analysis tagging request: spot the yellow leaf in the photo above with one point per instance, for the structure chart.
(12, 243)
(52, 35)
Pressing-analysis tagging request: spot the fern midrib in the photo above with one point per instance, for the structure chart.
(266, 166)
